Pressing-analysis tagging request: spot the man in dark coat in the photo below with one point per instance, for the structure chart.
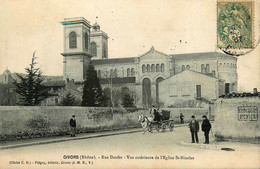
(181, 118)
(157, 116)
(73, 126)
(194, 129)
(206, 126)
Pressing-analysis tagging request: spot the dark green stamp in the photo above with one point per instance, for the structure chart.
(235, 24)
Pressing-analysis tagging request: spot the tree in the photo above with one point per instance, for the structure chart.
(128, 101)
(92, 91)
(29, 87)
(68, 100)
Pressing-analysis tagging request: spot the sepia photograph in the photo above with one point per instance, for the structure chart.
(129, 84)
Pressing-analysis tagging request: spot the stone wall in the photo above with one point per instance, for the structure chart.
(187, 112)
(19, 122)
(25, 122)
(238, 119)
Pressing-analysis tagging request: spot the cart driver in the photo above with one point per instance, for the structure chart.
(157, 115)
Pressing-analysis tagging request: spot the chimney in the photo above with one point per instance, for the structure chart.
(255, 90)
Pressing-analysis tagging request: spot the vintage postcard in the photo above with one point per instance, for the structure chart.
(129, 84)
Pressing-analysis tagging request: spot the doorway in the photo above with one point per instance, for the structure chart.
(198, 91)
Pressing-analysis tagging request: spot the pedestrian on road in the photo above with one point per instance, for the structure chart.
(182, 117)
(206, 126)
(73, 126)
(194, 129)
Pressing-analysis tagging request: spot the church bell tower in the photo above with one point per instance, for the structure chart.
(98, 43)
(76, 54)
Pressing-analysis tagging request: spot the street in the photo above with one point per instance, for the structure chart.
(135, 150)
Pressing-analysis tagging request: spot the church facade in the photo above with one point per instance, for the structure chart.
(154, 78)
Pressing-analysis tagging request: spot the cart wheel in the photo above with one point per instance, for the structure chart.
(163, 127)
(171, 126)
(158, 127)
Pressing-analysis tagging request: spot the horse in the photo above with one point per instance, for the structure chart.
(145, 122)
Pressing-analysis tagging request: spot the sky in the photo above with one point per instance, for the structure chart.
(133, 26)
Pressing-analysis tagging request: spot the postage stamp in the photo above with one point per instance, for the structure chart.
(235, 24)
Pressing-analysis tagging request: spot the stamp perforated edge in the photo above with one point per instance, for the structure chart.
(253, 21)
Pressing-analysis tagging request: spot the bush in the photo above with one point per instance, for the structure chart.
(39, 122)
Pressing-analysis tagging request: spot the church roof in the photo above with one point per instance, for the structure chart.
(152, 50)
(188, 56)
(113, 61)
(194, 72)
(7, 71)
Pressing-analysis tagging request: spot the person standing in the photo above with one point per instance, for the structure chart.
(206, 126)
(194, 129)
(73, 126)
(181, 118)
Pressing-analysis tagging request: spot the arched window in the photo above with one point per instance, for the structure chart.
(86, 41)
(148, 68)
(188, 67)
(162, 67)
(115, 73)
(104, 55)
(202, 68)
(93, 49)
(143, 69)
(111, 73)
(99, 73)
(72, 40)
(183, 67)
(157, 68)
(207, 68)
(153, 68)
(132, 72)
(128, 72)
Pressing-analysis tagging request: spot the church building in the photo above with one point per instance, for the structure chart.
(153, 78)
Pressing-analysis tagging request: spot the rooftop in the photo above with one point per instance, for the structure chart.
(199, 55)
(59, 83)
(113, 61)
(76, 20)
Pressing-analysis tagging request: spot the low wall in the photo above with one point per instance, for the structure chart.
(187, 112)
(238, 119)
(25, 122)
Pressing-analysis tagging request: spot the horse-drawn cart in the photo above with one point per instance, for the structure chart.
(163, 123)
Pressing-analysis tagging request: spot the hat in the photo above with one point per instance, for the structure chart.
(192, 116)
(73, 115)
(204, 116)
